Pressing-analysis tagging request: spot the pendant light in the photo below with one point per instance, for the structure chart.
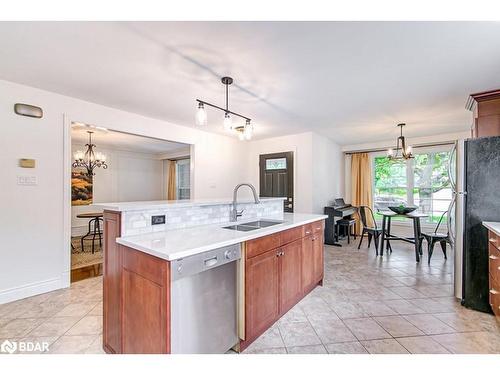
(406, 151)
(244, 132)
(201, 115)
(228, 121)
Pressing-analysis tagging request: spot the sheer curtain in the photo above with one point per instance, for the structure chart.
(171, 186)
(361, 183)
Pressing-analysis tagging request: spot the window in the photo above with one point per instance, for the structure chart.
(279, 163)
(422, 181)
(183, 179)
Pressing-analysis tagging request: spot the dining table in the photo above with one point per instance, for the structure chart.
(387, 236)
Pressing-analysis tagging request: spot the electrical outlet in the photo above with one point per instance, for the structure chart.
(158, 219)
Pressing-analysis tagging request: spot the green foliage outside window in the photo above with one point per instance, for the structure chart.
(421, 181)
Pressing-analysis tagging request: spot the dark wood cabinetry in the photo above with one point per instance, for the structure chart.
(308, 276)
(112, 275)
(494, 273)
(486, 109)
(262, 305)
(317, 249)
(146, 303)
(280, 269)
(290, 266)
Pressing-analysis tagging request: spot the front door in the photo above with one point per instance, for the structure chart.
(276, 177)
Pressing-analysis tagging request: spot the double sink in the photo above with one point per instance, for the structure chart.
(254, 225)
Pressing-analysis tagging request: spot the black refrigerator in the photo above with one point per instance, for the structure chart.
(481, 202)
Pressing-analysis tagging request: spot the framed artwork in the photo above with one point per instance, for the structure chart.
(81, 188)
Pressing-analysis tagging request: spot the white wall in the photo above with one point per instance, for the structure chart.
(318, 169)
(130, 176)
(34, 255)
(328, 172)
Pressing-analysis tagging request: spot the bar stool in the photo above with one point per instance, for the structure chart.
(349, 225)
(94, 228)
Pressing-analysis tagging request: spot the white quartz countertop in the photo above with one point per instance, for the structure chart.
(147, 205)
(180, 243)
(493, 226)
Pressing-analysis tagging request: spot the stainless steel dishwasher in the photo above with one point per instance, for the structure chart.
(204, 302)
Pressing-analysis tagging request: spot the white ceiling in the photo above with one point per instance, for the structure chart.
(351, 81)
(106, 139)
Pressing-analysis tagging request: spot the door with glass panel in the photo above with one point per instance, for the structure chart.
(276, 177)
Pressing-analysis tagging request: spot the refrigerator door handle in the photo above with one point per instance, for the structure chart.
(450, 228)
(453, 155)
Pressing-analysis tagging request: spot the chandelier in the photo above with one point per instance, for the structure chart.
(244, 132)
(89, 159)
(406, 152)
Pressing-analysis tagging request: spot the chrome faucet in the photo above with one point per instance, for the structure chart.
(235, 214)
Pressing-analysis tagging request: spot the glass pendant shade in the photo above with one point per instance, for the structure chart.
(228, 122)
(201, 115)
(248, 131)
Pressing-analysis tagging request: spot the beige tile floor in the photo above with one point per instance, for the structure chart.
(367, 305)
(370, 304)
(68, 320)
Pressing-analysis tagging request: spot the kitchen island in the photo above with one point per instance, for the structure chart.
(276, 266)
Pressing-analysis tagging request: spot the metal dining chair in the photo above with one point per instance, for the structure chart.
(434, 237)
(372, 231)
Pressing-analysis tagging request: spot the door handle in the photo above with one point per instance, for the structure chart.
(493, 257)
(493, 291)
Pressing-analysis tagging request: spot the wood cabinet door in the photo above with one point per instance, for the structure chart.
(112, 317)
(290, 279)
(145, 303)
(261, 293)
(317, 244)
(307, 264)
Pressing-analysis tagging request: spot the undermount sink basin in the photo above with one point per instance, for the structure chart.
(253, 225)
(241, 228)
(263, 223)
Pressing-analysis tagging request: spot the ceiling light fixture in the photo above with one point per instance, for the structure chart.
(88, 159)
(244, 132)
(406, 152)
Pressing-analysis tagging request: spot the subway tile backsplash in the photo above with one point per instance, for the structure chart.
(139, 222)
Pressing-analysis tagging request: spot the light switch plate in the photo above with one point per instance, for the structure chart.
(26, 180)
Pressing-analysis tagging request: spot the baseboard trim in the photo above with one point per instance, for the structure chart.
(29, 290)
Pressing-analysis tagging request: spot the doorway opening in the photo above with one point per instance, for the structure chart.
(276, 177)
(125, 167)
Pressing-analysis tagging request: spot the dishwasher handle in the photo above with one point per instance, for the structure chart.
(210, 262)
(205, 261)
